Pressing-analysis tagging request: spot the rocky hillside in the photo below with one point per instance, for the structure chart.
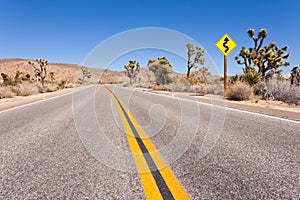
(70, 72)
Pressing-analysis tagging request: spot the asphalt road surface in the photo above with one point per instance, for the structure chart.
(78, 146)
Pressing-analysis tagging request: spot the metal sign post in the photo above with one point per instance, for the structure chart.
(225, 45)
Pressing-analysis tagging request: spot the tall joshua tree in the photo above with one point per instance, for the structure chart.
(267, 59)
(131, 70)
(198, 59)
(40, 72)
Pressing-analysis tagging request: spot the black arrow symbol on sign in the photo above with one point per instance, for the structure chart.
(224, 44)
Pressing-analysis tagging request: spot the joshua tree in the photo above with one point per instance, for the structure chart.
(161, 68)
(295, 76)
(17, 76)
(51, 74)
(41, 71)
(132, 70)
(198, 59)
(85, 73)
(267, 59)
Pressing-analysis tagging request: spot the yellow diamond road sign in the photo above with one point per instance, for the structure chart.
(226, 44)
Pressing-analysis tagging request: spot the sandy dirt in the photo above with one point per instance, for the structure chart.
(7, 103)
(273, 108)
(261, 103)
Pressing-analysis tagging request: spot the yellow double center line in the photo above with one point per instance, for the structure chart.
(157, 178)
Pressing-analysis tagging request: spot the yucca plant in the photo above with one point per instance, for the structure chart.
(251, 76)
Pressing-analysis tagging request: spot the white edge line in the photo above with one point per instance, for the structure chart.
(227, 108)
(43, 100)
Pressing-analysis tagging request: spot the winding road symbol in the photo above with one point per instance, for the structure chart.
(224, 44)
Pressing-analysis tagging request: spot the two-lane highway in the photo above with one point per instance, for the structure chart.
(51, 149)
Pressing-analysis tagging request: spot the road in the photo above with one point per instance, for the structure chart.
(56, 150)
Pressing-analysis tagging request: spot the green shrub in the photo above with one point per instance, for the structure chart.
(252, 77)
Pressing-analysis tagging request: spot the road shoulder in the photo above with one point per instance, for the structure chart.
(8, 103)
(276, 111)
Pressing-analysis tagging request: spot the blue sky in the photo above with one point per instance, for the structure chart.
(66, 31)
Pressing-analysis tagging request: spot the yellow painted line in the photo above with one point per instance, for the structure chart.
(150, 187)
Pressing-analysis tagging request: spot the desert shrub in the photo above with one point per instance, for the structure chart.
(259, 88)
(170, 79)
(161, 88)
(25, 77)
(180, 88)
(199, 89)
(126, 84)
(216, 89)
(7, 80)
(239, 91)
(69, 85)
(252, 77)
(278, 90)
(16, 89)
(28, 89)
(6, 92)
(61, 84)
(41, 89)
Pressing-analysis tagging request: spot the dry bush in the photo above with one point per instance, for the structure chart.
(6, 92)
(216, 89)
(16, 89)
(161, 88)
(69, 85)
(61, 84)
(28, 89)
(183, 87)
(180, 87)
(278, 90)
(239, 91)
(199, 89)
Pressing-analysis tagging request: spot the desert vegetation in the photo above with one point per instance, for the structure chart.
(194, 58)
(85, 74)
(33, 79)
(262, 76)
(131, 70)
(262, 72)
